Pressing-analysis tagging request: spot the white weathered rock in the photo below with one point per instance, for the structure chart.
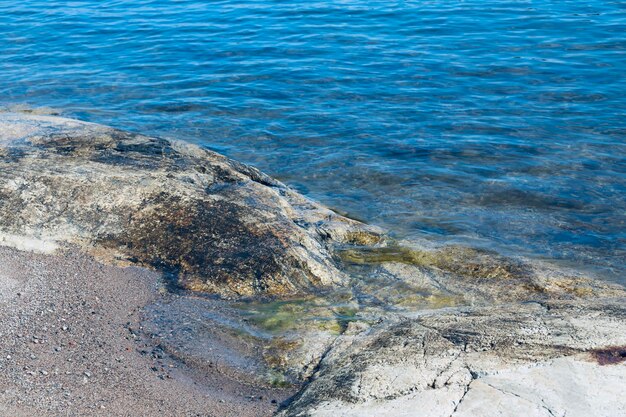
(551, 359)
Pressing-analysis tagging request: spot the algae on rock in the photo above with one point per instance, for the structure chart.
(215, 224)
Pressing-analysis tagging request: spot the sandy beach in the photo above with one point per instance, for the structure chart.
(73, 346)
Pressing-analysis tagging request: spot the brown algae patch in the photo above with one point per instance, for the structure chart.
(577, 287)
(362, 237)
(464, 261)
(610, 355)
(464, 273)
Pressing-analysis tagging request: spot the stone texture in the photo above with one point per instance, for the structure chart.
(531, 359)
(213, 224)
(464, 275)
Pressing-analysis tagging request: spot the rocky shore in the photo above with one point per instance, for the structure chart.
(217, 225)
(143, 276)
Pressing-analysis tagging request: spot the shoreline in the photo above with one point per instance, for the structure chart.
(73, 346)
(307, 312)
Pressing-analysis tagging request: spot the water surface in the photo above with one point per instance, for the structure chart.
(490, 123)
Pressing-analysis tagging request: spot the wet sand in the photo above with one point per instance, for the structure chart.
(72, 345)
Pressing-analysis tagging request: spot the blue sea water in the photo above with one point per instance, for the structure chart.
(496, 124)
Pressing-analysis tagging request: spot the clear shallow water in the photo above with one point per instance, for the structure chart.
(491, 123)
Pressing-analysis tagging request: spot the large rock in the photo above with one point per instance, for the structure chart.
(517, 338)
(536, 359)
(214, 224)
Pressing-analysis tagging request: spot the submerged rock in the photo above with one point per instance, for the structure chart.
(214, 224)
(456, 275)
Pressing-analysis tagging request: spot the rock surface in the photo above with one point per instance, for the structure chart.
(214, 224)
(536, 359)
(518, 338)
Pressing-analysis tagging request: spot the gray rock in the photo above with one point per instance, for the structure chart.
(533, 359)
(215, 224)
